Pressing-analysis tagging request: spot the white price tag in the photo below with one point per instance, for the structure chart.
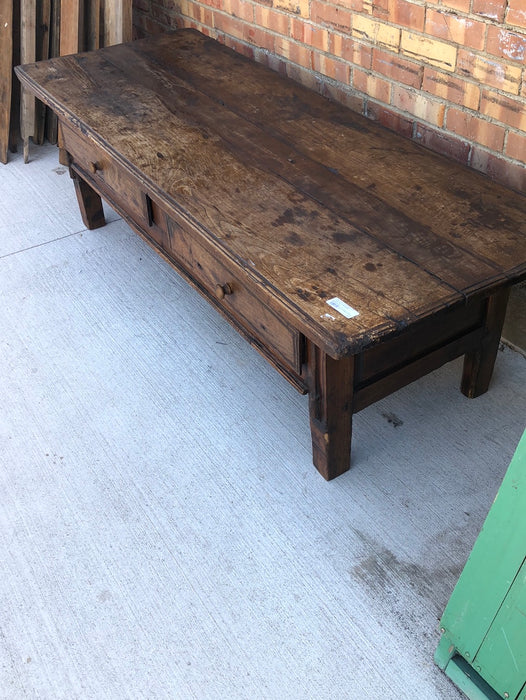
(343, 308)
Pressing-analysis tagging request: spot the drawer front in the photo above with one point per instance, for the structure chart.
(91, 160)
(235, 294)
(214, 274)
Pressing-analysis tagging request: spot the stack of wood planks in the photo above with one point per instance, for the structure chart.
(34, 30)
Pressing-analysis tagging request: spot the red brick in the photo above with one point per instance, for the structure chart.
(350, 50)
(239, 8)
(509, 45)
(389, 118)
(260, 38)
(435, 52)
(442, 143)
(489, 71)
(302, 55)
(494, 9)
(324, 13)
(229, 25)
(296, 7)
(461, 30)
(309, 34)
(216, 4)
(516, 146)
(471, 127)
(352, 5)
(396, 68)
(507, 110)
(418, 105)
(400, 12)
(509, 174)
(240, 47)
(462, 5)
(451, 88)
(516, 13)
(202, 14)
(332, 68)
(275, 21)
(371, 85)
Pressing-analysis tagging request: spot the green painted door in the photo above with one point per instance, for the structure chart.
(503, 651)
(485, 619)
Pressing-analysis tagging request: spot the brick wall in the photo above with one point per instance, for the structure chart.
(450, 74)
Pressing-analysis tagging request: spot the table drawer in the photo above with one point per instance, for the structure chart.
(91, 160)
(235, 294)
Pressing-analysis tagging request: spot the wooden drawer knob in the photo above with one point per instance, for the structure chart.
(94, 167)
(222, 290)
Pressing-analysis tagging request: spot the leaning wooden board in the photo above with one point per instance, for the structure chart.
(6, 72)
(354, 260)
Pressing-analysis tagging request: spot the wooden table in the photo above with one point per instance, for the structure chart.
(354, 260)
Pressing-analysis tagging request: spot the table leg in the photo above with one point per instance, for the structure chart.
(90, 204)
(478, 364)
(330, 384)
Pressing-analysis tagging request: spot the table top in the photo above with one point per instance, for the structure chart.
(316, 202)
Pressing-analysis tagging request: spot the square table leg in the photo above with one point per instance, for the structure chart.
(90, 203)
(478, 364)
(330, 384)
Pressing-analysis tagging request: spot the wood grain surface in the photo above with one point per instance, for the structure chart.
(311, 199)
(27, 53)
(6, 71)
(71, 26)
(117, 21)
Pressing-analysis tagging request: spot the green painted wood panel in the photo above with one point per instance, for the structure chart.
(493, 565)
(502, 656)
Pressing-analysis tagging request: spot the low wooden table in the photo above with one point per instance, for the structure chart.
(354, 260)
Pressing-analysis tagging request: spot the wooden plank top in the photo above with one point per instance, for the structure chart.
(313, 200)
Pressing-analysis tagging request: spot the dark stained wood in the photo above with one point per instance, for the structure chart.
(54, 50)
(90, 204)
(404, 373)
(43, 37)
(272, 201)
(371, 160)
(478, 363)
(93, 24)
(6, 69)
(330, 407)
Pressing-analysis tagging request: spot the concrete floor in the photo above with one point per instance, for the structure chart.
(163, 533)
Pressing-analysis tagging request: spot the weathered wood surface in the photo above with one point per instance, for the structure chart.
(71, 26)
(43, 37)
(28, 46)
(314, 200)
(54, 50)
(93, 25)
(6, 70)
(117, 21)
